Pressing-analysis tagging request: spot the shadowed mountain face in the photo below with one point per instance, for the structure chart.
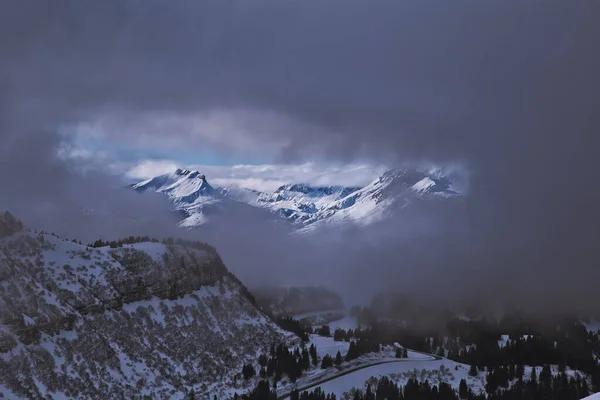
(104, 322)
(306, 207)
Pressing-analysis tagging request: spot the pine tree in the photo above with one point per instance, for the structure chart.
(463, 389)
(473, 370)
(326, 362)
(546, 376)
(305, 359)
(511, 372)
(338, 359)
(248, 371)
(520, 372)
(339, 335)
(399, 352)
(369, 393)
(352, 351)
(313, 354)
(262, 360)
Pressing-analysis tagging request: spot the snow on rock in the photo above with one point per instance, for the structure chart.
(307, 207)
(424, 184)
(142, 319)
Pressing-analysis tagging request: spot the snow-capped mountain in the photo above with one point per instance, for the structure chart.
(122, 321)
(189, 191)
(198, 203)
(184, 187)
(306, 207)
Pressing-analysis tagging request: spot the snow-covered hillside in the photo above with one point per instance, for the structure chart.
(434, 371)
(305, 206)
(141, 319)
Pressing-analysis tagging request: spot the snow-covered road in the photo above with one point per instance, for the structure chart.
(359, 368)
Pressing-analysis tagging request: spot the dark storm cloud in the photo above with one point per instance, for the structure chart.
(508, 88)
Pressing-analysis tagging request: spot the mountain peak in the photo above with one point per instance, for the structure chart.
(183, 186)
(302, 203)
(190, 174)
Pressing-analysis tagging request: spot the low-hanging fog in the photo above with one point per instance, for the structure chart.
(509, 90)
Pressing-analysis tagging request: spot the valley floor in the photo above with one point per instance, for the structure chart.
(358, 374)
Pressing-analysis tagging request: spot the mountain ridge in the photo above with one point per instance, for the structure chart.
(304, 206)
(68, 311)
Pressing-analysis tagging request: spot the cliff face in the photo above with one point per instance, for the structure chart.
(146, 318)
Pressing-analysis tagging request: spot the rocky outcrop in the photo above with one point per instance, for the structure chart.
(9, 225)
(107, 322)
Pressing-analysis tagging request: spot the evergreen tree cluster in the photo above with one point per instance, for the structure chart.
(119, 243)
(388, 390)
(282, 361)
(248, 371)
(323, 331)
(316, 394)
(293, 325)
(262, 391)
(565, 343)
(530, 350)
(193, 244)
(360, 347)
(401, 352)
(342, 335)
(545, 387)
(329, 361)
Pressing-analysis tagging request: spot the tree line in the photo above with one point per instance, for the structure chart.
(193, 244)
(282, 362)
(544, 387)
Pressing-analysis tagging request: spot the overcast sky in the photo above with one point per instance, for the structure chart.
(508, 89)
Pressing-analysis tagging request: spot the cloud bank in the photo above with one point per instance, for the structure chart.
(508, 89)
(266, 177)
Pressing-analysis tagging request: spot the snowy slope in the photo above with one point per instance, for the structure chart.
(592, 397)
(142, 319)
(183, 186)
(188, 190)
(310, 207)
(198, 202)
(305, 206)
(435, 371)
